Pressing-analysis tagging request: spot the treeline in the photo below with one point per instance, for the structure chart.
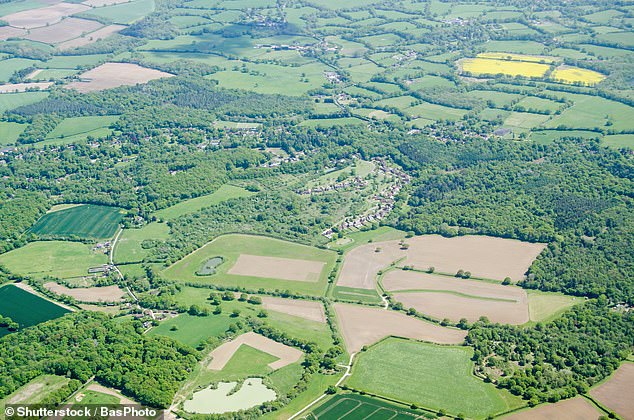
(85, 344)
(558, 360)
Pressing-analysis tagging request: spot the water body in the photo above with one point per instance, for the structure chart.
(253, 392)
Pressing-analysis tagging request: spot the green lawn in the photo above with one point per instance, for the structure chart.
(225, 192)
(229, 247)
(26, 308)
(59, 259)
(431, 376)
(86, 221)
(129, 248)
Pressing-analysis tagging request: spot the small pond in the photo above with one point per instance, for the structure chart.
(253, 392)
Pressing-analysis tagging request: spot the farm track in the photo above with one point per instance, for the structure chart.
(111, 257)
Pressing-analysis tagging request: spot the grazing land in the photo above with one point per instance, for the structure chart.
(88, 294)
(544, 306)
(111, 75)
(615, 392)
(284, 355)
(232, 247)
(224, 193)
(429, 376)
(81, 125)
(363, 326)
(59, 259)
(307, 309)
(353, 406)
(10, 131)
(577, 408)
(130, 248)
(86, 221)
(26, 308)
(191, 330)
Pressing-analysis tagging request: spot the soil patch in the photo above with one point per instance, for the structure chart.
(307, 309)
(277, 268)
(88, 294)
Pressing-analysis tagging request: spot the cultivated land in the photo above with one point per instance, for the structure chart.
(108, 294)
(363, 326)
(111, 75)
(361, 264)
(86, 221)
(231, 247)
(577, 408)
(307, 309)
(285, 354)
(354, 406)
(281, 268)
(59, 259)
(35, 18)
(26, 308)
(224, 193)
(429, 376)
(65, 30)
(615, 392)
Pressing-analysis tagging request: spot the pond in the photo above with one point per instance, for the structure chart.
(209, 267)
(253, 392)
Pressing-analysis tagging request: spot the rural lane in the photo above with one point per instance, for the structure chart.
(114, 243)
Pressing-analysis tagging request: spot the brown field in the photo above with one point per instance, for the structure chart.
(111, 75)
(102, 33)
(29, 289)
(10, 32)
(109, 391)
(110, 310)
(286, 354)
(99, 3)
(43, 16)
(362, 326)
(22, 87)
(577, 408)
(446, 305)
(449, 297)
(362, 263)
(88, 294)
(68, 28)
(483, 256)
(277, 268)
(307, 309)
(616, 392)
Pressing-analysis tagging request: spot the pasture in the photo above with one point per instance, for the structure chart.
(9, 132)
(224, 193)
(615, 392)
(75, 126)
(87, 221)
(61, 259)
(130, 248)
(26, 308)
(192, 330)
(546, 306)
(111, 75)
(575, 408)
(233, 248)
(9, 101)
(430, 376)
(363, 326)
(354, 406)
(123, 13)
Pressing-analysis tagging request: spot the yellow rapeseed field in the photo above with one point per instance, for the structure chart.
(479, 66)
(575, 74)
(518, 57)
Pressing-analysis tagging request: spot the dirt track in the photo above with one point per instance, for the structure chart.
(362, 325)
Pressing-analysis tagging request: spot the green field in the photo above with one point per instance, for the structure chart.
(61, 259)
(192, 330)
(354, 406)
(9, 101)
(544, 307)
(225, 192)
(356, 295)
(123, 13)
(229, 247)
(86, 221)
(9, 132)
(129, 247)
(35, 391)
(26, 308)
(431, 376)
(76, 126)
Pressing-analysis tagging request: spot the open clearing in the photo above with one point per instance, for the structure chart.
(111, 75)
(86, 221)
(307, 309)
(109, 391)
(43, 16)
(361, 264)
(26, 308)
(577, 408)
(88, 294)
(362, 326)
(616, 392)
(68, 28)
(286, 355)
(281, 268)
(430, 376)
(231, 247)
(354, 406)
(448, 297)
(102, 33)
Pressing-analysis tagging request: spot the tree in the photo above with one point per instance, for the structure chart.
(460, 273)
(235, 313)
(506, 281)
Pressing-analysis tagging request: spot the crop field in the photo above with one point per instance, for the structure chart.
(9, 101)
(448, 297)
(224, 193)
(43, 16)
(269, 267)
(124, 13)
(545, 306)
(576, 75)
(107, 294)
(307, 309)
(232, 247)
(9, 132)
(590, 113)
(111, 75)
(80, 125)
(615, 392)
(430, 376)
(65, 30)
(283, 355)
(86, 39)
(574, 408)
(191, 330)
(352, 294)
(363, 326)
(354, 406)
(86, 221)
(361, 264)
(485, 66)
(26, 308)
(61, 259)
